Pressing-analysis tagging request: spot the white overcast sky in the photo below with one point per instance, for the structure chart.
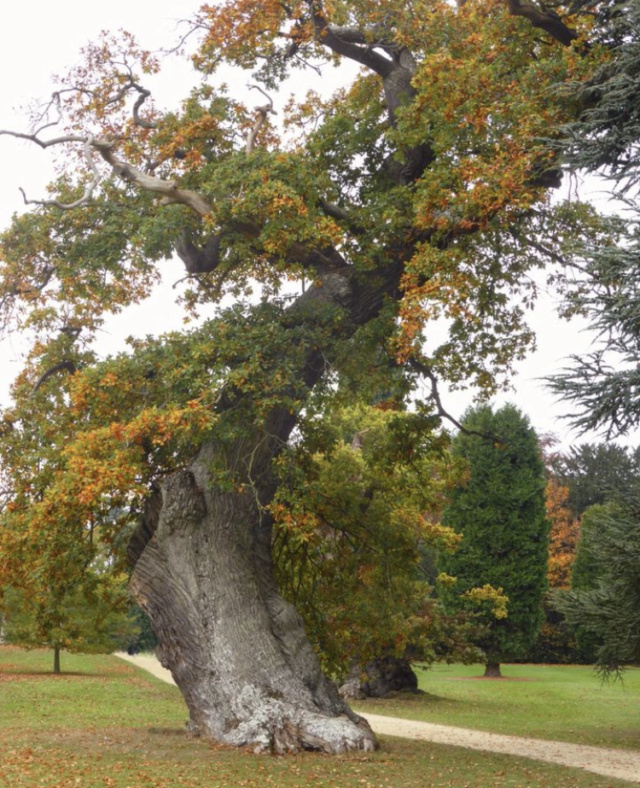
(41, 38)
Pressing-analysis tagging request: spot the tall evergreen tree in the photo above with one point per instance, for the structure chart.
(602, 386)
(604, 602)
(596, 473)
(500, 510)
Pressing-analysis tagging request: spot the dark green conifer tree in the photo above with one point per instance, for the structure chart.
(603, 605)
(500, 510)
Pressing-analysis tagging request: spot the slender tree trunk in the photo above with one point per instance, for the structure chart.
(492, 670)
(56, 660)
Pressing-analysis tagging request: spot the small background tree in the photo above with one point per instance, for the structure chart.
(500, 510)
(91, 618)
(556, 643)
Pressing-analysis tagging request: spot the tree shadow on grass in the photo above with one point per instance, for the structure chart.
(15, 673)
(404, 700)
(487, 678)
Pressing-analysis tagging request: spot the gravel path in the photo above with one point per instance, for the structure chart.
(623, 764)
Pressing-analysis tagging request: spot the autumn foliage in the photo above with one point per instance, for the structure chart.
(563, 537)
(341, 227)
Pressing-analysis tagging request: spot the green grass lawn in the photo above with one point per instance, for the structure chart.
(105, 724)
(566, 703)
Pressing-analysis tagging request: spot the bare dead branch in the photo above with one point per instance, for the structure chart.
(89, 188)
(43, 143)
(168, 191)
(261, 113)
(44, 115)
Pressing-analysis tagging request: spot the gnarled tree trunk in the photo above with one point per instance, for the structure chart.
(203, 572)
(234, 646)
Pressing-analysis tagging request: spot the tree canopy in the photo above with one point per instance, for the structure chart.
(602, 386)
(419, 189)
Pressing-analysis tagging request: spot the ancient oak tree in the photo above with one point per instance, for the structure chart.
(418, 189)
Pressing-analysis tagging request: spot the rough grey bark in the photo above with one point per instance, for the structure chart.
(235, 647)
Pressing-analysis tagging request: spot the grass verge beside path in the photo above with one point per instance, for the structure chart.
(561, 703)
(106, 724)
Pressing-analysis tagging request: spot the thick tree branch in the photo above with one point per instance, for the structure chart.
(396, 67)
(545, 19)
(144, 95)
(341, 215)
(323, 260)
(199, 261)
(63, 366)
(348, 42)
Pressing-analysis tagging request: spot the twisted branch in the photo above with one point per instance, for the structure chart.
(262, 113)
(89, 188)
